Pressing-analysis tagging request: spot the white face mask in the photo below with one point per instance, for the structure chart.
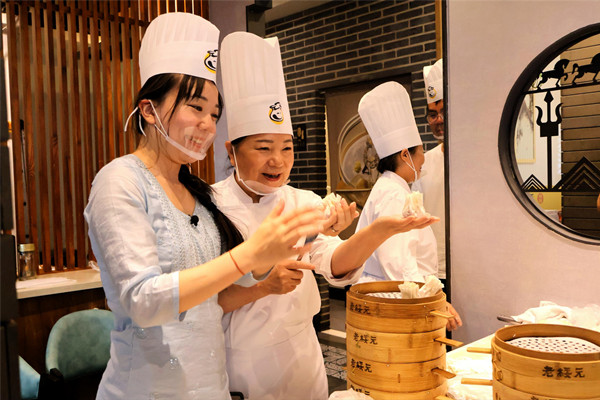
(412, 166)
(139, 121)
(196, 143)
(255, 187)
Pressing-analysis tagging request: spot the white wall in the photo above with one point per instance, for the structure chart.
(503, 260)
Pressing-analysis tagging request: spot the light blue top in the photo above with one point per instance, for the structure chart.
(142, 241)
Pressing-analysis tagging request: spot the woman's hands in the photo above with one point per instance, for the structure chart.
(273, 241)
(275, 238)
(398, 224)
(352, 253)
(341, 216)
(284, 277)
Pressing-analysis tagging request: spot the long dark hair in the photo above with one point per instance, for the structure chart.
(156, 89)
(390, 163)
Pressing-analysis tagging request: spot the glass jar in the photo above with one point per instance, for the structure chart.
(26, 261)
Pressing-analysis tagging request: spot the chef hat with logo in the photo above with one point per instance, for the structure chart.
(253, 86)
(434, 81)
(388, 116)
(179, 43)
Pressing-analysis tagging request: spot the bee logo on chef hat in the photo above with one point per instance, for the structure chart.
(210, 60)
(276, 113)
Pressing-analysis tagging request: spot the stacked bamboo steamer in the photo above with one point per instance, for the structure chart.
(557, 362)
(544, 362)
(396, 348)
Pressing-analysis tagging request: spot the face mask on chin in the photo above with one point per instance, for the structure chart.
(255, 187)
(193, 138)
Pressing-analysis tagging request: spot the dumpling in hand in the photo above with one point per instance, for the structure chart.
(413, 205)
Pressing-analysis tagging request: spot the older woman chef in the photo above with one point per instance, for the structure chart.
(387, 114)
(272, 348)
(158, 236)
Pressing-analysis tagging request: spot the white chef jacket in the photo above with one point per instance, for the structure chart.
(272, 349)
(408, 256)
(431, 185)
(142, 241)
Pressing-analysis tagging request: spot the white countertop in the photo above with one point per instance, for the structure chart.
(466, 364)
(59, 282)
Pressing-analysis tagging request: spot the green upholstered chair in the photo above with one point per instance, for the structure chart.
(30, 380)
(78, 348)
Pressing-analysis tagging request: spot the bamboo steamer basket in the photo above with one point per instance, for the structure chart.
(396, 347)
(436, 393)
(523, 373)
(398, 377)
(502, 392)
(394, 315)
(544, 373)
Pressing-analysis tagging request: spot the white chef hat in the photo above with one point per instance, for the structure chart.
(388, 116)
(179, 43)
(434, 81)
(253, 86)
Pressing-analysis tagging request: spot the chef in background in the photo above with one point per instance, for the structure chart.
(273, 351)
(432, 179)
(387, 114)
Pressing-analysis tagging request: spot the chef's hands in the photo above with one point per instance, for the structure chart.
(455, 321)
(341, 216)
(275, 238)
(399, 224)
(284, 277)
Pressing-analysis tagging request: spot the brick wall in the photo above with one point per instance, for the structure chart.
(345, 42)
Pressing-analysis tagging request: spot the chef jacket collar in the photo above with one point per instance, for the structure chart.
(396, 178)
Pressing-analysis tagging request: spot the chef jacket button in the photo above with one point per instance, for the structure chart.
(212, 353)
(140, 333)
(173, 363)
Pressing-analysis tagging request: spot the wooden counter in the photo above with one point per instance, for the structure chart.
(71, 281)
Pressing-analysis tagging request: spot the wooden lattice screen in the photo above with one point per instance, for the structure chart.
(73, 75)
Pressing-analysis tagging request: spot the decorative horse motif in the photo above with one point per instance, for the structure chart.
(557, 73)
(593, 67)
